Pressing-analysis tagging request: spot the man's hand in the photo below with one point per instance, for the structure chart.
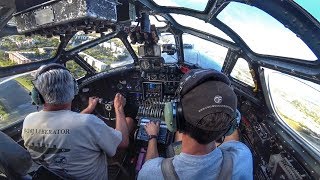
(121, 124)
(119, 102)
(92, 103)
(152, 128)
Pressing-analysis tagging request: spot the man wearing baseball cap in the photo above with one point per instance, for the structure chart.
(209, 107)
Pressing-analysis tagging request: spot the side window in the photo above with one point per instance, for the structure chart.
(203, 53)
(242, 73)
(107, 55)
(15, 101)
(297, 104)
(76, 70)
(20, 49)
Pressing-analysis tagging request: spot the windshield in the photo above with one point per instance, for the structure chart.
(106, 55)
(203, 53)
(199, 5)
(263, 33)
(19, 49)
(200, 25)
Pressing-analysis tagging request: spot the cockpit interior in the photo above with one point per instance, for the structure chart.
(142, 48)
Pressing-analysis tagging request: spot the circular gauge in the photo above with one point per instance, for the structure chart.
(137, 87)
(172, 77)
(119, 86)
(145, 65)
(162, 76)
(153, 77)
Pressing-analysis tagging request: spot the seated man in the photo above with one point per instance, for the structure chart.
(208, 108)
(65, 141)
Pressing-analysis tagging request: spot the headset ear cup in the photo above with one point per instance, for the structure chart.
(180, 117)
(36, 97)
(234, 124)
(169, 116)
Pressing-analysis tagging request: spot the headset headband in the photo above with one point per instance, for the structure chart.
(199, 76)
(50, 67)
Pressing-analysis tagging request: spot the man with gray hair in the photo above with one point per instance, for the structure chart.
(64, 141)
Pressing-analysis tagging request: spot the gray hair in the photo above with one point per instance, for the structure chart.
(56, 86)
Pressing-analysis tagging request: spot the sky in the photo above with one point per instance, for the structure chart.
(312, 6)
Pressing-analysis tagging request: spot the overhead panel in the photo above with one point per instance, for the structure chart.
(65, 14)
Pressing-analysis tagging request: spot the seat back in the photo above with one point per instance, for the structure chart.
(15, 161)
(43, 173)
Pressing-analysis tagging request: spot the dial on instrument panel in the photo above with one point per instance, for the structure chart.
(145, 65)
(151, 63)
(162, 76)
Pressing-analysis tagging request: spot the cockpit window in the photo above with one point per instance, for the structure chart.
(312, 6)
(200, 24)
(20, 49)
(263, 33)
(298, 108)
(203, 53)
(15, 103)
(81, 38)
(241, 72)
(76, 70)
(198, 5)
(109, 54)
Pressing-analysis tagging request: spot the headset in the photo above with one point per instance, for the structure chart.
(173, 111)
(37, 98)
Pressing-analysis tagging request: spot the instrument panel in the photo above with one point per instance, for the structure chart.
(146, 91)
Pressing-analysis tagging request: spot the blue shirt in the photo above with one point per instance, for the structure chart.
(204, 166)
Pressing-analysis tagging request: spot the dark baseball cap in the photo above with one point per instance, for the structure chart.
(206, 99)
